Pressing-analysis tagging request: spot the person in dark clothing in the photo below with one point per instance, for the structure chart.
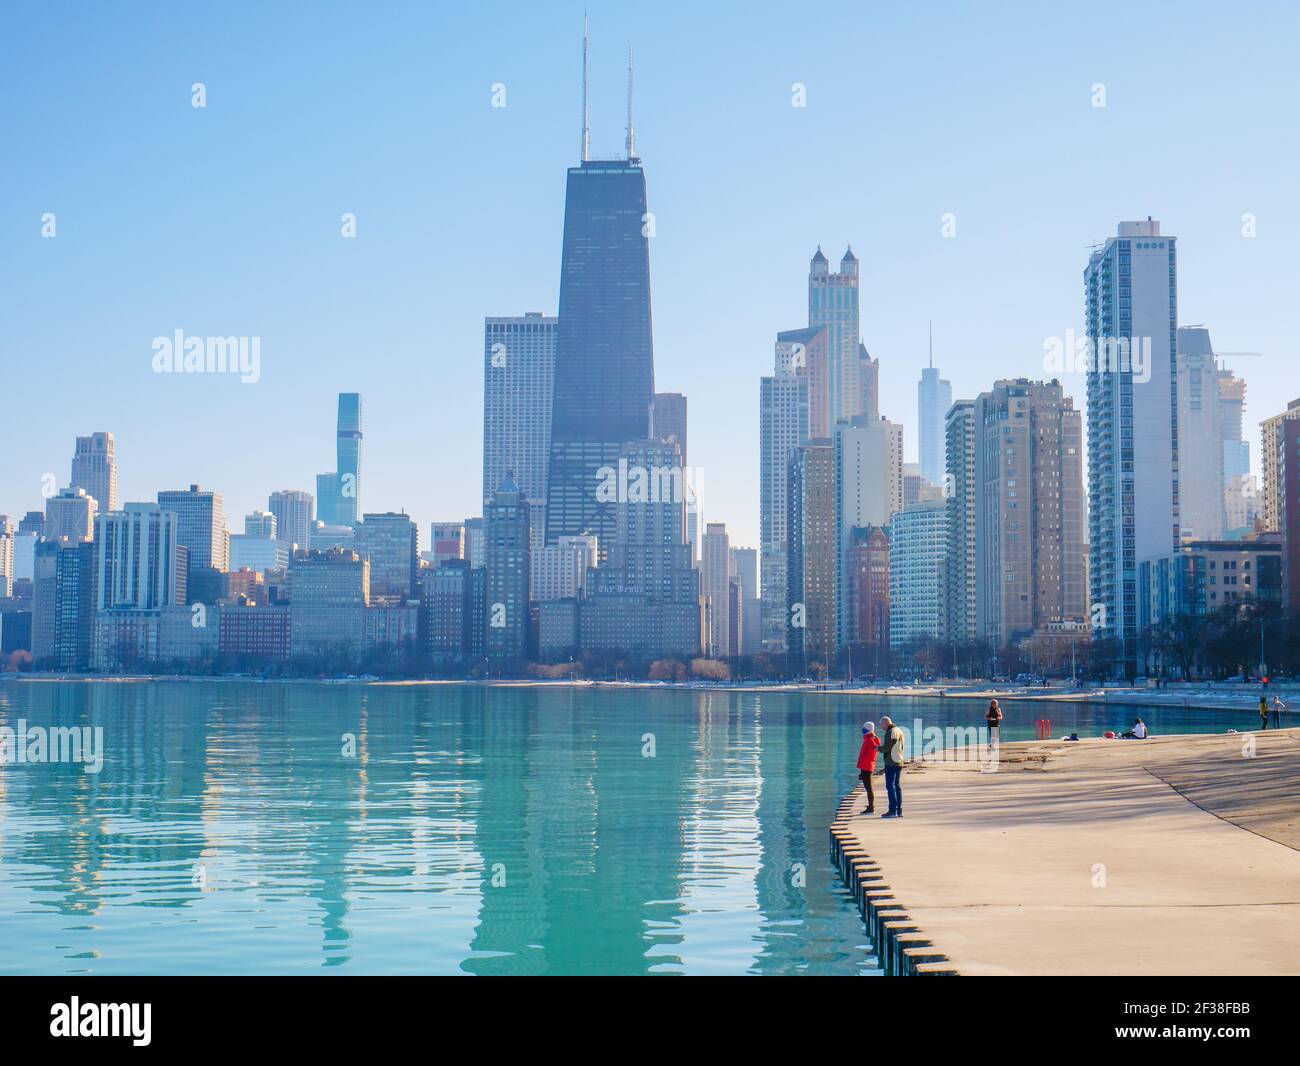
(892, 747)
(867, 763)
(993, 716)
(1263, 712)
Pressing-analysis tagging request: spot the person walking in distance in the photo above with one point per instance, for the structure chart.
(867, 763)
(993, 716)
(893, 749)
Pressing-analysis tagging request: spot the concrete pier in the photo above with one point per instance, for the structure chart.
(1173, 855)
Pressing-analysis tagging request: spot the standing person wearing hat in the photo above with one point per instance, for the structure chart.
(867, 763)
(893, 747)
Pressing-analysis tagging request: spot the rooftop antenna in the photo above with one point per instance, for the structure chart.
(631, 130)
(586, 122)
(931, 344)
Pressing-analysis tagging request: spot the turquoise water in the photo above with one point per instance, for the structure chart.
(313, 828)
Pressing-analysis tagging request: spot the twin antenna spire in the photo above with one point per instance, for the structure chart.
(630, 141)
(586, 118)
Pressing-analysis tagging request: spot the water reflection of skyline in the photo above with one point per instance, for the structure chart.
(473, 829)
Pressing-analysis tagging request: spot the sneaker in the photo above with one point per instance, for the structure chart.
(869, 810)
(890, 814)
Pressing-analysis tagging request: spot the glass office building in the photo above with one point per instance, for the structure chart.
(604, 355)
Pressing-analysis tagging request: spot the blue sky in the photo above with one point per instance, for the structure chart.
(225, 220)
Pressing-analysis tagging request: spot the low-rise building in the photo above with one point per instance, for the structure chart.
(253, 635)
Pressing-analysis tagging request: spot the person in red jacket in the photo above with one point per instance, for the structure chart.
(867, 763)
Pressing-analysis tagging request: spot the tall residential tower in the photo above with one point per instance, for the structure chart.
(1131, 306)
(518, 372)
(94, 468)
(933, 398)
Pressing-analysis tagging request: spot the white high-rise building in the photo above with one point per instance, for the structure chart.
(833, 303)
(94, 468)
(518, 379)
(6, 555)
(868, 490)
(960, 488)
(744, 568)
(559, 571)
(295, 516)
(1241, 497)
(201, 525)
(918, 560)
(1131, 290)
(715, 588)
(260, 524)
(138, 559)
(933, 398)
(1200, 437)
(782, 427)
(1270, 433)
(70, 514)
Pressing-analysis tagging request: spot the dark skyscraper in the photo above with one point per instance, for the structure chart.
(604, 358)
(670, 419)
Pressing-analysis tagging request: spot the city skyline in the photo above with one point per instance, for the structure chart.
(351, 325)
(364, 611)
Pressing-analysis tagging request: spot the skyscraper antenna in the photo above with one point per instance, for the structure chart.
(932, 345)
(586, 121)
(631, 130)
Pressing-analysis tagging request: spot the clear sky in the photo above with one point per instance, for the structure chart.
(225, 220)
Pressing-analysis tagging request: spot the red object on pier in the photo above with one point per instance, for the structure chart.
(1043, 728)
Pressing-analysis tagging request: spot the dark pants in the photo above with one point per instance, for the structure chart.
(865, 777)
(1263, 721)
(894, 788)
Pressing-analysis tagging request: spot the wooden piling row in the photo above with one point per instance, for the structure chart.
(902, 948)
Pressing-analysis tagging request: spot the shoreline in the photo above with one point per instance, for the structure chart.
(1208, 696)
(1086, 858)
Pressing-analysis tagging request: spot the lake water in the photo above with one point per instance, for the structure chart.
(313, 828)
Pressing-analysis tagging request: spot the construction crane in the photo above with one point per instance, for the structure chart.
(1234, 355)
(1226, 355)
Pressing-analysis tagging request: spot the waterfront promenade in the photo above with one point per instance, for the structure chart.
(1174, 855)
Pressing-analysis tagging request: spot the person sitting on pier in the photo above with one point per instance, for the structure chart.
(867, 763)
(1138, 732)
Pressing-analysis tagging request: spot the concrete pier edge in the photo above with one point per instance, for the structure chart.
(902, 948)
